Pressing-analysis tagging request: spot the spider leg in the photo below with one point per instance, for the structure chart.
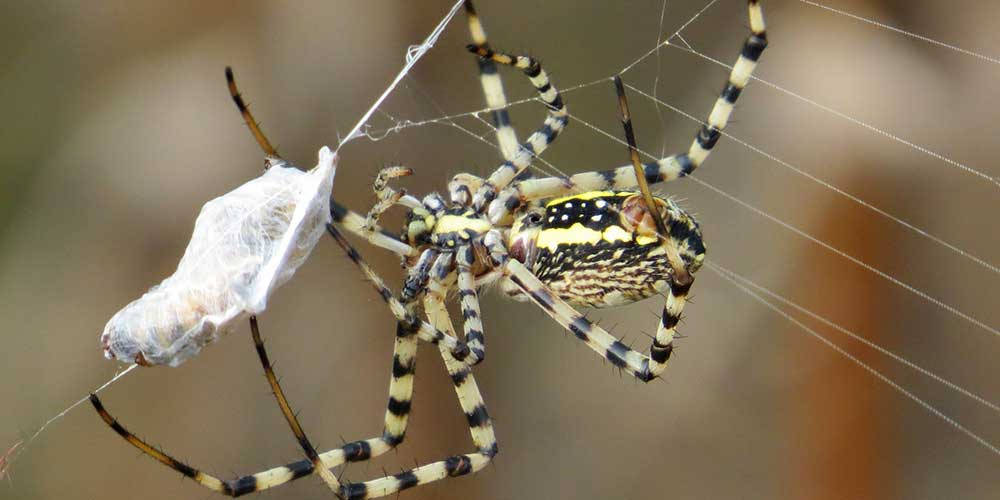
(416, 279)
(347, 219)
(469, 300)
(286, 410)
(461, 187)
(642, 367)
(633, 152)
(244, 109)
(492, 85)
(481, 428)
(539, 140)
(385, 196)
(471, 401)
(469, 397)
(664, 169)
(354, 223)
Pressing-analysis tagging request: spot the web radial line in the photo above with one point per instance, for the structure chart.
(24, 444)
(381, 133)
(917, 147)
(733, 276)
(724, 273)
(829, 186)
(903, 32)
(656, 49)
(413, 55)
(659, 70)
(855, 260)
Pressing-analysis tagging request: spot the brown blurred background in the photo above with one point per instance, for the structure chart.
(118, 128)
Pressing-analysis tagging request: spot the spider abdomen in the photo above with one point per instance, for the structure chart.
(603, 274)
(600, 249)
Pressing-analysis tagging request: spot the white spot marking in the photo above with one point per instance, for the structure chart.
(568, 205)
(601, 203)
(596, 218)
(564, 217)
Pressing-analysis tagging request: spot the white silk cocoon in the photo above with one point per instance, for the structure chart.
(246, 243)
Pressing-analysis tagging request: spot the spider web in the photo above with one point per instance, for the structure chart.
(967, 317)
(773, 236)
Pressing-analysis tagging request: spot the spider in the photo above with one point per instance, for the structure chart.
(590, 239)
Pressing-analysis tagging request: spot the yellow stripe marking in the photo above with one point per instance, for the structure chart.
(578, 234)
(455, 223)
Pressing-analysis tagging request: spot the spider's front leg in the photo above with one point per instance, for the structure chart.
(385, 196)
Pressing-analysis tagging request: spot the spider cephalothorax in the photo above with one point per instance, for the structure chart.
(586, 239)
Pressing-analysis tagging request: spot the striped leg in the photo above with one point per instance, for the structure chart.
(665, 169)
(397, 412)
(354, 223)
(644, 368)
(469, 301)
(416, 279)
(539, 140)
(492, 85)
(461, 187)
(470, 399)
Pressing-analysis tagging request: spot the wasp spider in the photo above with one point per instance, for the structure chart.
(589, 240)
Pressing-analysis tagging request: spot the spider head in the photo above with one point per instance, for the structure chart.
(601, 248)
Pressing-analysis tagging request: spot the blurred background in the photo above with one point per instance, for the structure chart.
(118, 127)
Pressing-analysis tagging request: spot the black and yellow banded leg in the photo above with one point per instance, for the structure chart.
(466, 389)
(354, 223)
(662, 170)
(539, 140)
(753, 47)
(470, 399)
(472, 324)
(416, 277)
(492, 85)
(461, 187)
(618, 354)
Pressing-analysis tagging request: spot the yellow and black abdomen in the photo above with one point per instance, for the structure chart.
(591, 253)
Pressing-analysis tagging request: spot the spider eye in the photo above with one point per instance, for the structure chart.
(534, 218)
